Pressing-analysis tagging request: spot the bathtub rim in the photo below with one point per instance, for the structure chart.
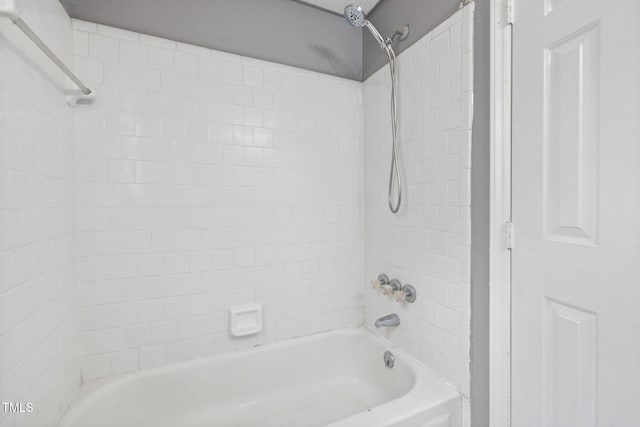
(93, 389)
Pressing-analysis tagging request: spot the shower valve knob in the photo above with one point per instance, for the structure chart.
(383, 279)
(375, 284)
(394, 285)
(406, 294)
(399, 296)
(387, 290)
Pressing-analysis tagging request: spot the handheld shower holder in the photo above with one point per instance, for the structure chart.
(403, 34)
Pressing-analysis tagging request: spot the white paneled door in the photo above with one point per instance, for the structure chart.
(576, 214)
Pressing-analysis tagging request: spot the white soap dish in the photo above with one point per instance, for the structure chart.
(245, 320)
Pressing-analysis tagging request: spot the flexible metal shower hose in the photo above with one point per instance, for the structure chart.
(394, 205)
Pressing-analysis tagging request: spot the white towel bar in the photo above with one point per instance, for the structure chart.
(9, 9)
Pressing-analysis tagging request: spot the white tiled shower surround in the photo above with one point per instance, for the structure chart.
(427, 244)
(207, 180)
(203, 180)
(39, 361)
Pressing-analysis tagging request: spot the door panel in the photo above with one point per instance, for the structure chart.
(570, 137)
(569, 362)
(576, 213)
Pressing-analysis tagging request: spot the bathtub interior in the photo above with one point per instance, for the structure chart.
(310, 381)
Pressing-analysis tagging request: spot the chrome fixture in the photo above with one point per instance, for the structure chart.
(389, 359)
(393, 286)
(355, 16)
(387, 321)
(407, 293)
(381, 281)
(403, 34)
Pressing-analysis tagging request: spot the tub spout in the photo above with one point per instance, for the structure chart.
(388, 320)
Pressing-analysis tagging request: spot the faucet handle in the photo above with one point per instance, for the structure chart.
(380, 283)
(399, 296)
(407, 293)
(378, 287)
(395, 285)
(392, 287)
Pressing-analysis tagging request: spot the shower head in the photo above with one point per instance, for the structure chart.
(355, 16)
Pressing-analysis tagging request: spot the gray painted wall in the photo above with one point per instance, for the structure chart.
(275, 30)
(423, 16)
(480, 163)
(390, 15)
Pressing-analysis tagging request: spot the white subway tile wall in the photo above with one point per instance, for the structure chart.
(201, 180)
(207, 180)
(39, 342)
(428, 243)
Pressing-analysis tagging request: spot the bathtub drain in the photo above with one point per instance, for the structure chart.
(389, 359)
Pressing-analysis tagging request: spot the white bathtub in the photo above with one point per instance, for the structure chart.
(336, 378)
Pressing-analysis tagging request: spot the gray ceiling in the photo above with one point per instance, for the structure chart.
(282, 31)
(337, 6)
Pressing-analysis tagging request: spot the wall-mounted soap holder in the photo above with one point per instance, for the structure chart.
(245, 320)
